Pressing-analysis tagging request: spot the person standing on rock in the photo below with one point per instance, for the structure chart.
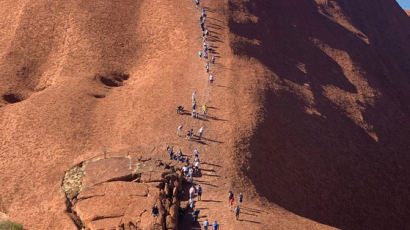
(196, 153)
(215, 226)
(191, 175)
(191, 203)
(192, 191)
(204, 110)
(230, 198)
(199, 192)
(211, 79)
(237, 210)
(231, 203)
(170, 152)
(179, 157)
(179, 130)
(200, 54)
(155, 213)
(194, 105)
(201, 131)
(196, 165)
(197, 3)
(213, 59)
(185, 170)
(207, 67)
(240, 198)
(206, 224)
(194, 96)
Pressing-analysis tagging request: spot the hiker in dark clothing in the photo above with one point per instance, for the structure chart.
(155, 213)
(180, 109)
(237, 210)
(199, 191)
(215, 226)
(170, 152)
(195, 215)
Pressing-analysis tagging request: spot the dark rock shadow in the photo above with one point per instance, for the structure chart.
(325, 167)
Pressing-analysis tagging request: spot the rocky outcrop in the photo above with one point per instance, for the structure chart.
(119, 193)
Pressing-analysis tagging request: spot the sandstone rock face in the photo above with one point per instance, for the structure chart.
(119, 193)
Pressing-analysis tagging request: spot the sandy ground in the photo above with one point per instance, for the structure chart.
(309, 113)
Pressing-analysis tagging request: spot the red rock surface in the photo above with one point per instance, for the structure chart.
(309, 112)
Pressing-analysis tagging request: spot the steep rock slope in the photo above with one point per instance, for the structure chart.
(330, 139)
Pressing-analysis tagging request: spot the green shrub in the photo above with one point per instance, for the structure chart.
(8, 225)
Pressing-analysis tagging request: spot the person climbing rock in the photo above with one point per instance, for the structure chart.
(201, 131)
(240, 198)
(213, 59)
(195, 215)
(200, 54)
(191, 203)
(197, 3)
(196, 153)
(194, 96)
(204, 110)
(206, 224)
(179, 154)
(207, 67)
(180, 109)
(191, 175)
(170, 152)
(230, 195)
(211, 79)
(194, 105)
(215, 226)
(192, 191)
(155, 213)
(185, 170)
(196, 167)
(179, 130)
(237, 210)
(199, 190)
(230, 199)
